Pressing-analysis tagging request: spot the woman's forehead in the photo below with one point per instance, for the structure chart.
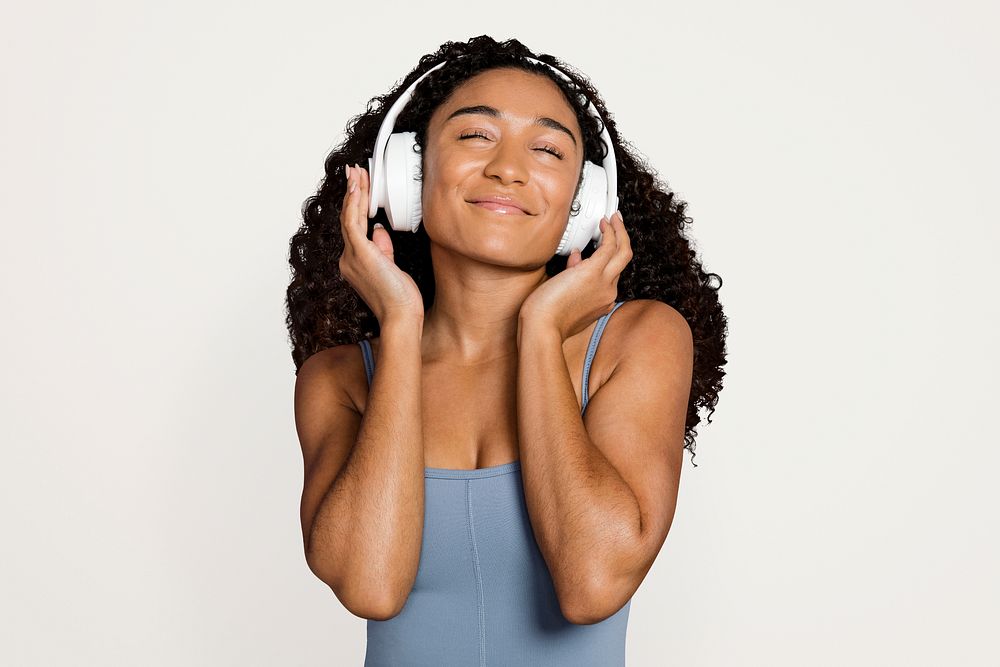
(511, 92)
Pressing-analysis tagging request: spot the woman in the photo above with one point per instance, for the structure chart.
(483, 482)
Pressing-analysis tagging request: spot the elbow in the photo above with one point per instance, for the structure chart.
(586, 613)
(371, 607)
(586, 606)
(363, 602)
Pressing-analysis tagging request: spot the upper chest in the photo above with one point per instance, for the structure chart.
(483, 388)
(469, 412)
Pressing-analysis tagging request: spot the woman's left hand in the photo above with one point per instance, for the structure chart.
(586, 289)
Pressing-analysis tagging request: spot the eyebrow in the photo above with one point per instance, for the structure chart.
(487, 110)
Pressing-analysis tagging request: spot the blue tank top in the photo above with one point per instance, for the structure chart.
(483, 595)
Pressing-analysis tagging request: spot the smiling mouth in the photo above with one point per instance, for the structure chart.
(502, 209)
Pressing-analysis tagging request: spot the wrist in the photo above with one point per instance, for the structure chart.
(535, 328)
(407, 326)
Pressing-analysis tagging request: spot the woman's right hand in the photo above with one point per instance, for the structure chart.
(368, 265)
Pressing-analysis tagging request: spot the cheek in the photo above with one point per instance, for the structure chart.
(441, 186)
(443, 169)
(560, 189)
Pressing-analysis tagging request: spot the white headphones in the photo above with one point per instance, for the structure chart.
(395, 185)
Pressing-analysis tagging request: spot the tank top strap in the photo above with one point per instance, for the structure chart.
(366, 351)
(595, 339)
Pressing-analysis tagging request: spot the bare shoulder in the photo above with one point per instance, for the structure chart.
(636, 334)
(327, 421)
(646, 323)
(326, 381)
(657, 322)
(637, 418)
(332, 368)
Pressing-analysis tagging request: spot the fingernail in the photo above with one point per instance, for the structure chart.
(378, 225)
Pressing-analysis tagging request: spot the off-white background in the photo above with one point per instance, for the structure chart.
(840, 162)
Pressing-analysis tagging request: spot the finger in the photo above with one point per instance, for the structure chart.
(368, 185)
(347, 226)
(609, 244)
(602, 225)
(625, 238)
(381, 238)
(361, 200)
(575, 257)
(618, 257)
(623, 255)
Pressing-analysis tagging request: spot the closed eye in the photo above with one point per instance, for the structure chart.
(545, 149)
(551, 150)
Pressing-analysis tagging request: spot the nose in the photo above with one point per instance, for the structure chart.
(506, 164)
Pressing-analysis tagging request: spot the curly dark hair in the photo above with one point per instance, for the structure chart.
(324, 310)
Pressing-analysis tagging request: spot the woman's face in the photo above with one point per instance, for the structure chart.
(504, 133)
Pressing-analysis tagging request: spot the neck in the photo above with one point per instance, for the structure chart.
(474, 315)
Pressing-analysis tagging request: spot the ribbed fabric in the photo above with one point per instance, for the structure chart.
(483, 596)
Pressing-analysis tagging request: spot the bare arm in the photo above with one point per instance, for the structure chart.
(601, 490)
(583, 513)
(363, 496)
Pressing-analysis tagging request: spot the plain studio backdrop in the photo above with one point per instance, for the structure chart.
(839, 161)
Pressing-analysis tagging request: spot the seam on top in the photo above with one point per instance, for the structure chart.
(480, 602)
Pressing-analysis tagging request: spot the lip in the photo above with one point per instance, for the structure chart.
(501, 204)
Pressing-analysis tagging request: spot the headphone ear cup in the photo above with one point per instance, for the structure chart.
(585, 225)
(402, 182)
